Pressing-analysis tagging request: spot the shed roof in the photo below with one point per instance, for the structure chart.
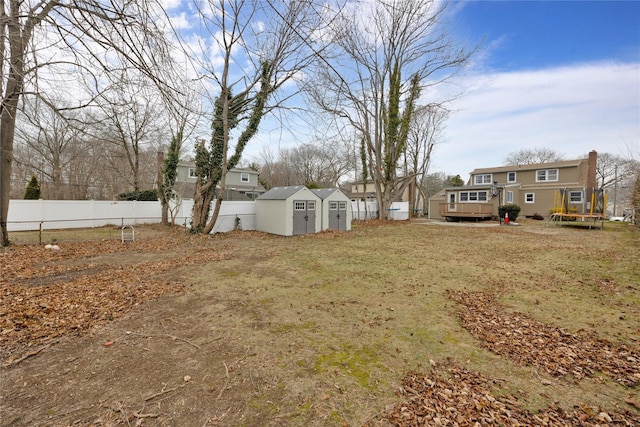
(281, 193)
(323, 193)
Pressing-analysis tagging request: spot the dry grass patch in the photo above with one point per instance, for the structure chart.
(321, 330)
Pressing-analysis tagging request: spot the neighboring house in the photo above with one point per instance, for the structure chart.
(359, 191)
(536, 188)
(241, 184)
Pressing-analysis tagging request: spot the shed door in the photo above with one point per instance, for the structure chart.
(304, 216)
(337, 215)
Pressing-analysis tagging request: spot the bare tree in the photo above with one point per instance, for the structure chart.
(635, 197)
(531, 156)
(617, 174)
(633, 156)
(320, 164)
(52, 143)
(424, 133)
(271, 44)
(130, 118)
(182, 121)
(385, 58)
(89, 33)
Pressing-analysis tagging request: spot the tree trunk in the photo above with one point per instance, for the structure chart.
(201, 205)
(216, 211)
(387, 198)
(162, 191)
(7, 130)
(11, 96)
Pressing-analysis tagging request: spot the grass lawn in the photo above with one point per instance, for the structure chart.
(321, 329)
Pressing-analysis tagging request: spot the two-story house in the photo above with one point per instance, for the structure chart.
(241, 183)
(536, 188)
(358, 190)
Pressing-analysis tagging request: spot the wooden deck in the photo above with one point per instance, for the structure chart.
(466, 211)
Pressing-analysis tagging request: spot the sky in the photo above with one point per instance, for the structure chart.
(563, 75)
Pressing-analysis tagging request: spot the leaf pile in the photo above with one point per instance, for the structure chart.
(454, 396)
(530, 342)
(45, 294)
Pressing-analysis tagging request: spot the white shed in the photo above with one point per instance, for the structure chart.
(336, 209)
(288, 211)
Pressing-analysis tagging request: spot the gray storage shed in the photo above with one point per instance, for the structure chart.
(336, 209)
(288, 211)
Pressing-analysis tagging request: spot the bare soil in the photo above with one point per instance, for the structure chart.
(391, 324)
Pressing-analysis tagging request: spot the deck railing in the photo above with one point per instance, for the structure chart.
(462, 209)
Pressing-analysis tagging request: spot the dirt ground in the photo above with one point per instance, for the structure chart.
(105, 333)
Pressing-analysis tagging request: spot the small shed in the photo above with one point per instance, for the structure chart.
(288, 211)
(336, 209)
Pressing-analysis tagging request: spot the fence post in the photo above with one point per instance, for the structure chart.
(40, 234)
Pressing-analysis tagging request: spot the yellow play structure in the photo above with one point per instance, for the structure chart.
(563, 213)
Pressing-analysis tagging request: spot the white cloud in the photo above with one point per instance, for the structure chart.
(170, 4)
(181, 21)
(570, 109)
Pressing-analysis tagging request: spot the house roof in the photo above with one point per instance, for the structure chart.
(281, 193)
(470, 187)
(515, 168)
(189, 164)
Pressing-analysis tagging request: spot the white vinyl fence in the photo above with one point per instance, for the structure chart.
(26, 215)
(369, 210)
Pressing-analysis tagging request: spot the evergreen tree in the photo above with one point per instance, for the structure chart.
(32, 192)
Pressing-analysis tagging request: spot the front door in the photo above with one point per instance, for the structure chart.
(452, 202)
(337, 215)
(304, 216)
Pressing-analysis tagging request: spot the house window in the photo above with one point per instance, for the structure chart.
(511, 177)
(483, 179)
(299, 206)
(473, 196)
(509, 196)
(544, 175)
(575, 196)
(192, 173)
(244, 177)
(529, 198)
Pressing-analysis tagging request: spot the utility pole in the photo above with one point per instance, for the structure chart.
(615, 189)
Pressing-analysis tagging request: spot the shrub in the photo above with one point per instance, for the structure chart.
(514, 211)
(32, 192)
(570, 209)
(141, 196)
(560, 209)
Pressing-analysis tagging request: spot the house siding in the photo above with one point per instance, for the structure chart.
(236, 189)
(572, 175)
